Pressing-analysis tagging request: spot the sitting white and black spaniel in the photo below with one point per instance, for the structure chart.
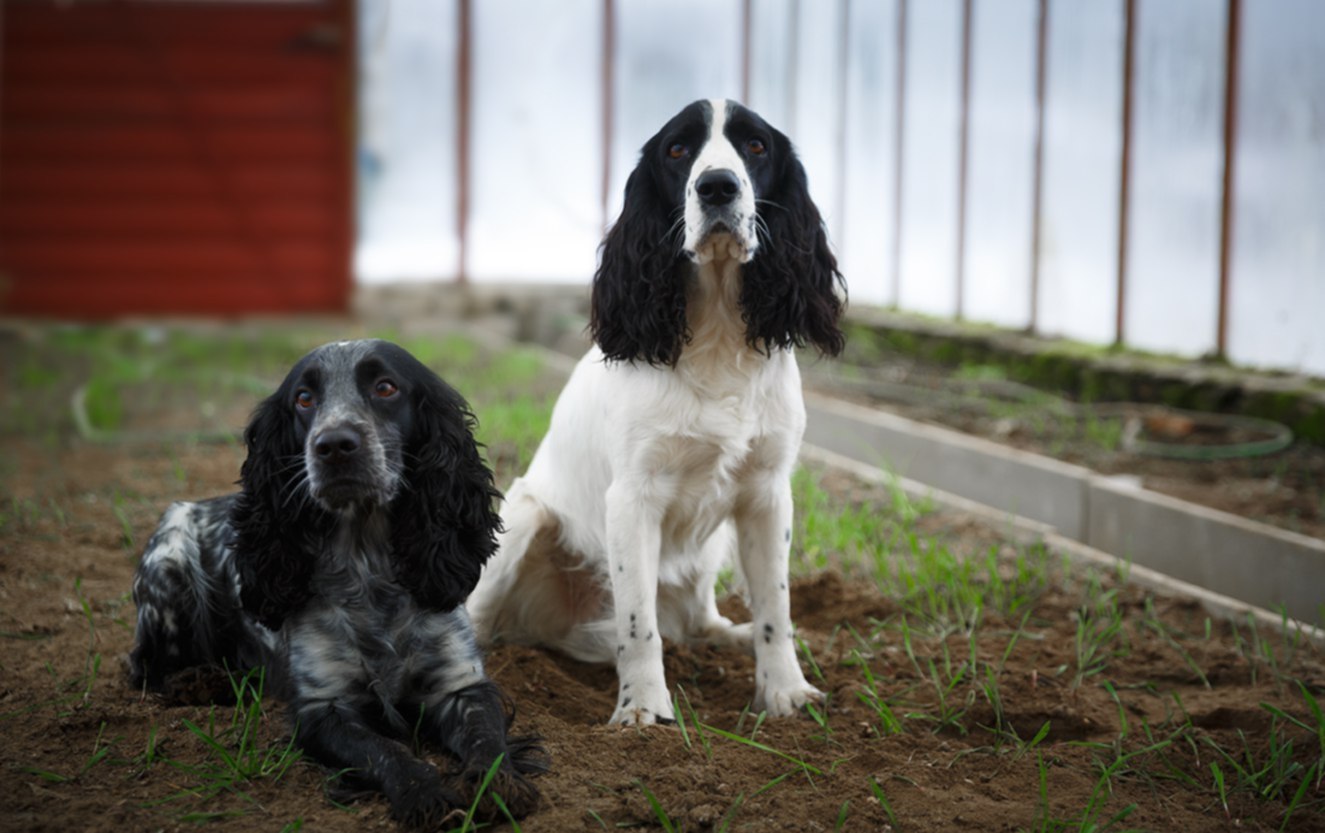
(671, 447)
(365, 516)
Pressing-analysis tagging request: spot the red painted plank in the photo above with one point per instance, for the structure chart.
(269, 25)
(278, 217)
(87, 178)
(24, 144)
(112, 65)
(281, 102)
(254, 250)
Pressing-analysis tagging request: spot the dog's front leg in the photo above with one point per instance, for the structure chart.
(471, 723)
(763, 528)
(634, 544)
(338, 737)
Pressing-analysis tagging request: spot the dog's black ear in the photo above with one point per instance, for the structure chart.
(276, 527)
(444, 524)
(637, 309)
(789, 292)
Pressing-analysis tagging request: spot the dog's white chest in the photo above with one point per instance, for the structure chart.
(700, 481)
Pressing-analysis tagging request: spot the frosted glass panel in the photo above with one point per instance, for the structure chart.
(1000, 168)
(816, 125)
(930, 147)
(772, 50)
(1277, 296)
(536, 175)
(1082, 150)
(669, 53)
(865, 242)
(407, 140)
(1172, 296)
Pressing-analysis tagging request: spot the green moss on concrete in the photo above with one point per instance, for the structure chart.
(1089, 373)
(1311, 427)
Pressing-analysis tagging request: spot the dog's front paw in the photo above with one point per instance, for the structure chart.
(644, 708)
(788, 700)
(518, 795)
(525, 756)
(199, 685)
(421, 800)
(722, 633)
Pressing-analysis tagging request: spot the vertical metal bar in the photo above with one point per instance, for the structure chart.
(1037, 183)
(963, 155)
(843, 68)
(747, 47)
(1232, 46)
(464, 72)
(608, 93)
(899, 125)
(349, 134)
(792, 65)
(1125, 167)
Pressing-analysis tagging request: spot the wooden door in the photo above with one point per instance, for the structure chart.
(169, 156)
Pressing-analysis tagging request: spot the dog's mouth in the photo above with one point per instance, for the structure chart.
(723, 240)
(344, 491)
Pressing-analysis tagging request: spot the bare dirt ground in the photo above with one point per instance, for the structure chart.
(80, 750)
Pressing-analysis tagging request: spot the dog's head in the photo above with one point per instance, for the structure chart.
(717, 182)
(357, 428)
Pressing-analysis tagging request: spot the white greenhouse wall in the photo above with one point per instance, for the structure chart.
(560, 103)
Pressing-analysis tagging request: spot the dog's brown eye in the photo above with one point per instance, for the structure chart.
(305, 399)
(756, 146)
(677, 150)
(385, 389)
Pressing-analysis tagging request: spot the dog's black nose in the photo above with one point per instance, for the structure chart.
(717, 187)
(337, 443)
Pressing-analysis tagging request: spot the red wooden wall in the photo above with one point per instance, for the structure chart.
(175, 157)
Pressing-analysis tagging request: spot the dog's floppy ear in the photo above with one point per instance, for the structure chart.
(275, 527)
(637, 308)
(789, 290)
(444, 524)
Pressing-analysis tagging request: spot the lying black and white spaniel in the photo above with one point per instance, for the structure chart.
(672, 445)
(364, 519)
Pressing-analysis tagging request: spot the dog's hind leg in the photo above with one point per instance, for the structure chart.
(187, 613)
(490, 605)
(533, 592)
(697, 602)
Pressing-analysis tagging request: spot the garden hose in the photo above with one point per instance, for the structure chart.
(1279, 437)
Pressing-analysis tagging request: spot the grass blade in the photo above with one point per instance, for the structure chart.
(468, 823)
(754, 744)
(884, 803)
(658, 810)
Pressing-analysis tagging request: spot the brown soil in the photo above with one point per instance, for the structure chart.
(74, 738)
(53, 721)
(1286, 488)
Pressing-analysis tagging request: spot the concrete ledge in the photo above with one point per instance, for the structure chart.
(1022, 530)
(1034, 487)
(1226, 554)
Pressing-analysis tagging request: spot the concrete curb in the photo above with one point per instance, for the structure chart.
(1025, 531)
(1255, 563)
